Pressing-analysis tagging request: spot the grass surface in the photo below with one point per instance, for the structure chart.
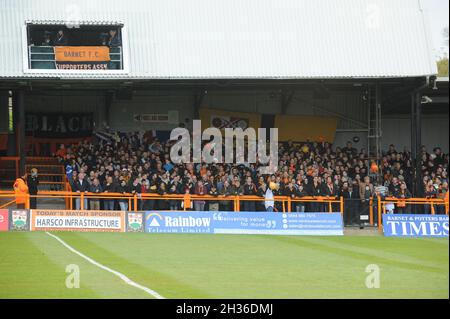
(32, 265)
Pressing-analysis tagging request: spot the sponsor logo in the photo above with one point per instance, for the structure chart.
(154, 219)
(415, 225)
(19, 219)
(187, 221)
(157, 220)
(221, 122)
(113, 221)
(244, 223)
(135, 222)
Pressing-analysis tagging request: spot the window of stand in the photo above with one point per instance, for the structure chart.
(86, 47)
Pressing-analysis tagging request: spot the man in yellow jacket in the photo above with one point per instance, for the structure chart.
(21, 191)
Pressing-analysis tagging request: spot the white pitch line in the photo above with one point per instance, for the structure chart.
(127, 280)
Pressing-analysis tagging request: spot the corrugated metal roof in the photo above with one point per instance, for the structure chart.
(201, 39)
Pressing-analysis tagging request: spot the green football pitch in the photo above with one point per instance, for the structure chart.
(33, 265)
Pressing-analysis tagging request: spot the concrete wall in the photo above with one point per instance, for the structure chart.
(68, 102)
(397, 131)
(342, 137)
(348, 107)
(121, 114)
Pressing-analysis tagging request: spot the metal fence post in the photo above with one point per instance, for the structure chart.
(379, 213)
(27, 201)
(82, 201)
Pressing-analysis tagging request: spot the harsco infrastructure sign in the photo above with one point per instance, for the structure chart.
(81, 220)
(415, 225)
(244, 223)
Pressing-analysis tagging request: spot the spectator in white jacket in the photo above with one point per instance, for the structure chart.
(269, 198)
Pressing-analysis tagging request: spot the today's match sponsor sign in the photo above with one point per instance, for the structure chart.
(82, 220)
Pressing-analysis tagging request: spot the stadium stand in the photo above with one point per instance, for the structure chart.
(136, 163)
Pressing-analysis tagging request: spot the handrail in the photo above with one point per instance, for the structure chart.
(199, 197)
(69, 195)
(409, 201)
(38, 159)
(413, 199)
(286, 201)
(8, 203)
(52, 58)
(416, 201)
(9, 158)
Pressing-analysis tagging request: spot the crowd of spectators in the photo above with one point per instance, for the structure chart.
(136, 163)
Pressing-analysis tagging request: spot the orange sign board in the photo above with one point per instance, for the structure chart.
(82, 54)
(302, 128)
(81, 220)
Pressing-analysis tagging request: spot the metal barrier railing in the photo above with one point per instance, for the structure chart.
(43, 57)
(404, 203)
(132, 200)
(9, 169)
(376, 205)
(51, 174)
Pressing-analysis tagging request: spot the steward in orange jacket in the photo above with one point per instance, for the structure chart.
(21, 191)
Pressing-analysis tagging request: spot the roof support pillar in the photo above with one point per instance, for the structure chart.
(416, 135)
(20, 130)
(198, 100)
(419, 189)
(413, 140)
(108, 101)
(286, 99)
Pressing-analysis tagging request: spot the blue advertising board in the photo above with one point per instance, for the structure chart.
(415, 225)
(244, 223)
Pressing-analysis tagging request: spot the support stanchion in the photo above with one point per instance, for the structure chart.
(379, 213)
(82, 201)
(27, 201)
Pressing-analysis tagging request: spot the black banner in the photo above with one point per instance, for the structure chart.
(65, 65)
(59, 125)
